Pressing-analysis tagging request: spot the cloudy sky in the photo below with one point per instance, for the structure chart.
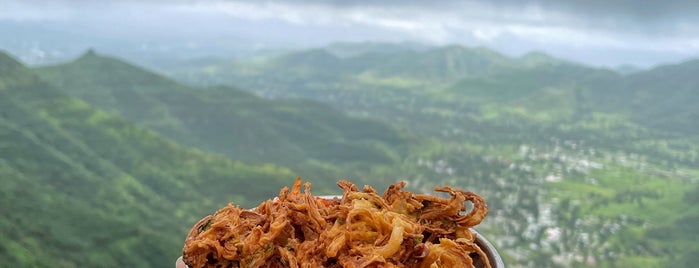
(597, 32)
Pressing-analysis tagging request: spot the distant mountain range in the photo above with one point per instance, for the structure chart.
(659, 98)
(637, 128)
(103, 162)
(128, 153)
(224, 119)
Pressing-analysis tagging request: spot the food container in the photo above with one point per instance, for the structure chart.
(481, 241)
(490, 251)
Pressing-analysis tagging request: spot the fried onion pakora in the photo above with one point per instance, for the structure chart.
(360, 229)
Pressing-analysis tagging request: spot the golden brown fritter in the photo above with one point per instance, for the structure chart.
(361, 229)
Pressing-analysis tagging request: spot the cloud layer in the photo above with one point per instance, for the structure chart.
(642, 32)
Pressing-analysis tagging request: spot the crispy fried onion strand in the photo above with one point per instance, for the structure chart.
(361, 229)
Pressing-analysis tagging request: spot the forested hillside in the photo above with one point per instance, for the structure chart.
(105, 163)
(504, 99)
(226, 120)
(123, 123)
(583, 165)
(83, 188)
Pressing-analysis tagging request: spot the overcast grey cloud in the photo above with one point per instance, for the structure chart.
(596, 32)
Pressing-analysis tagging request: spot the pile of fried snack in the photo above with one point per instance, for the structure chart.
(361, 229)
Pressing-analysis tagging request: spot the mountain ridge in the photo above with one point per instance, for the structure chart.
(82, 187)
(647, 97)
(281, 131)
(548, 144)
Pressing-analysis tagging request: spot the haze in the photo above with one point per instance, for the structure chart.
(636, 33)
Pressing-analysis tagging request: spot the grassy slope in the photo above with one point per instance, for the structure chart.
(227, 120)
(83, 188)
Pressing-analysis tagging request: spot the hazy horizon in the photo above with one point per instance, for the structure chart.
(641, 34)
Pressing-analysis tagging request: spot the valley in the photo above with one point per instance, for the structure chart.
(574, 157)
(580, 166)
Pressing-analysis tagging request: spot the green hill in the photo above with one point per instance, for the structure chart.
(421, 90)
(660, 99)
(83, 188)
(581, 166)
(445, 63)
(665, 97)
(227, 120)
(342, 62)
(442, 63)
(584, 167)
(350, 49)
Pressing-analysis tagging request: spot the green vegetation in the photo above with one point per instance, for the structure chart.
(83, 188)
(307, 135)
(582, 166)
(107, 164)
